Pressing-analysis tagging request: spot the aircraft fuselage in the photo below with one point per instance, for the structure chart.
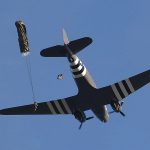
(87, 88)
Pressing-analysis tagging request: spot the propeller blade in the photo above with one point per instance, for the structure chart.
(111, 112)
(122, 103)
(65, 37)
(80, 125)
(86, 119)
(89, 118)
(122, 114)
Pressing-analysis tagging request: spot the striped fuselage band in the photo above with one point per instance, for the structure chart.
(77, 68)
(122, 89)
(59, 107)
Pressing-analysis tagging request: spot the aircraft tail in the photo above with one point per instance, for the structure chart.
(60, 50)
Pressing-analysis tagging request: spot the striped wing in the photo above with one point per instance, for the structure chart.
(61, 106)
(124, 88)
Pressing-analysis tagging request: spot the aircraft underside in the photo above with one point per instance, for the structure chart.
(89, 97)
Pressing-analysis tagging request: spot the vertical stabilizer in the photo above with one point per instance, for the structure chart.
(65, 37)
(74, 47)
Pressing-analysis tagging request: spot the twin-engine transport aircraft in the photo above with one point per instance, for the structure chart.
(89, 97)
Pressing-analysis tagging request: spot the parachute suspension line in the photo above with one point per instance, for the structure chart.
(28, 64)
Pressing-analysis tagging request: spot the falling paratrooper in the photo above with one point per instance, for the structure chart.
(60, 77)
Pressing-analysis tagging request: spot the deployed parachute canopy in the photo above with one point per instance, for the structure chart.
(22, 37)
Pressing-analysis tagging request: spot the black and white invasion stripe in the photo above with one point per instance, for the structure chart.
(59, 107)
(122, 89)
(77, 68)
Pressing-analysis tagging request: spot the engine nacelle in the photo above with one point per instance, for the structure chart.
(80, 116)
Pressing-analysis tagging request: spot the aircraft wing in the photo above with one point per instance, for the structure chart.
(61, 106)
(122, 89)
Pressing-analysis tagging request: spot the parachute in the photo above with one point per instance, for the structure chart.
(22, 37)
(24, 49)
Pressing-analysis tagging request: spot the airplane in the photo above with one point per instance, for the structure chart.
(89, 97)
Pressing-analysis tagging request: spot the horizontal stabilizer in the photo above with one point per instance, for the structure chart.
(55, 51)
(60, 50)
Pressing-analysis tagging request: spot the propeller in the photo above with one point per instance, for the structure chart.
(121, 103)
(111, 112)
(86, 119)
(80, 125)
(119, 111)
(89, 118)
(122, 113)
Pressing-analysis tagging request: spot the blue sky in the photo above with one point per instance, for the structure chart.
(120, 30)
